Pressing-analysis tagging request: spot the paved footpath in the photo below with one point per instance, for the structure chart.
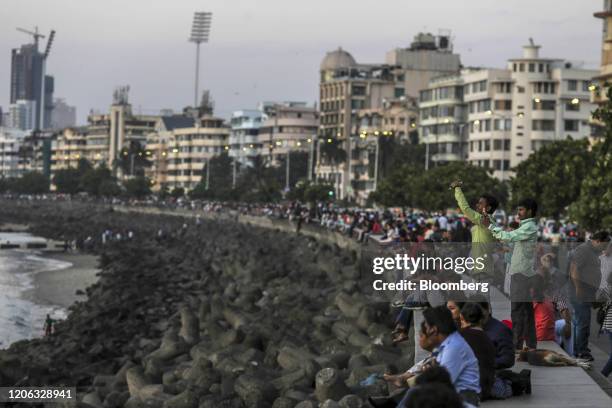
(551, 386)
(554, 387)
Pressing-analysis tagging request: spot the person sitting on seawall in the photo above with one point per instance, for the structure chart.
(500, 335)
(548, 302)
(433, 388)
(439, 335)
(506, 383)
(471, 317)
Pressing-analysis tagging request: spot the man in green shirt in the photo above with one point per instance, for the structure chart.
(522, 271)
(482, 239)
(486, 204)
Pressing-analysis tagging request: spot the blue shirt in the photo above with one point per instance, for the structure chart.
(457, 357)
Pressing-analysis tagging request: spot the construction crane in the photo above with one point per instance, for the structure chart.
(34, 34)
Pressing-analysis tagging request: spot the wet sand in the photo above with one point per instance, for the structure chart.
(58, 287)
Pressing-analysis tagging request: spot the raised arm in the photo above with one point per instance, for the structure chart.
(470, 214)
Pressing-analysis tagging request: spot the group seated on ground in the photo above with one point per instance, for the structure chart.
(474, 349)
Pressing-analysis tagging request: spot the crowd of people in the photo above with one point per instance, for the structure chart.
(471, 352)
(477, 350)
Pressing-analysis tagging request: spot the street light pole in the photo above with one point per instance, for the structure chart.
(311, 158)
(234, 174)
(427, 154)
(287, 184)
(207, 172)
(376, 163)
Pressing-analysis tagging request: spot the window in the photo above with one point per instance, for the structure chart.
(503, 87)
(497, 145)
(503, 105)
(522, 67)
(399, 92)
(506, 164)
(585, 86)
(520, 89)
(572, 85)
(487, 145)
(497, 164)
(572, 107)
(543, 125)
(426, 95)
(543, 105)
(531, 67)
(571, 125)
(507, 144)
(514, 67)
(541, 67)
(487, 125)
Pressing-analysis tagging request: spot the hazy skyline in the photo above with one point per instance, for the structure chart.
(269, 49)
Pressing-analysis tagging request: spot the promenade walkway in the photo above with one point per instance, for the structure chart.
(552, 387)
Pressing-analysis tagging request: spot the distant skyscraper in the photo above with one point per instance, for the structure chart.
(22, 115)
(63, 115)
(26, 75)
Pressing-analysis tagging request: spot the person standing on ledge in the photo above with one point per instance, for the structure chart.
(522, 271)
(48, 326)
(481, 236)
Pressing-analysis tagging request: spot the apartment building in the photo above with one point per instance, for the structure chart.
(69, 146)
(487, 94)
(105, 136)
(244, 142)
(396, 118)
(159, 146)
(287, 127)
(346, 88)
(181, 150)
(551, 101)
(12, 160)
(597, 88)
(442, 124)
(495, 118)
(427, 57)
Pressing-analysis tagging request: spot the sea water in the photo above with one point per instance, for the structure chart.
(21, 318)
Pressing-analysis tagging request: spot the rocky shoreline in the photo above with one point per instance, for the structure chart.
(216, 315)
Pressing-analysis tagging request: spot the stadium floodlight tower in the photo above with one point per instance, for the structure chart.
(199, 34)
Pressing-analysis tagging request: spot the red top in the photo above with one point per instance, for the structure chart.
(544, 313)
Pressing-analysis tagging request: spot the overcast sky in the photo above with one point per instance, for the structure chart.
(269, 49)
